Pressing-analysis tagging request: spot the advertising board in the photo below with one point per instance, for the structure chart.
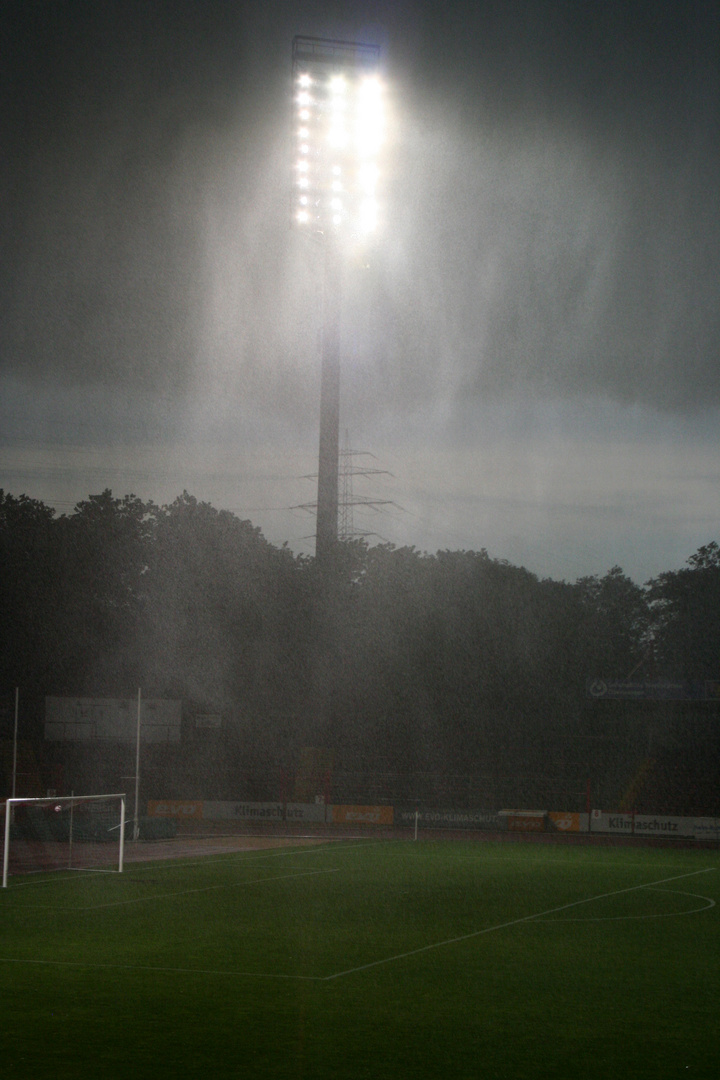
(653, 690)
(449, 819)
(186, 809)
(569, 822)
(361, 815)
(181, 809)
(208, 721)
(524, 820)
(81, 719)
(264, 811)
(661, 825)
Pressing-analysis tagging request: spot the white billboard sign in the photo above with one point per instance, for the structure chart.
(75, 719)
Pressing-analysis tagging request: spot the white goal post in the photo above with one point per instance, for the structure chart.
(72, 832)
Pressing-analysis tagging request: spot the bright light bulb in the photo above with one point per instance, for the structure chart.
(368, 215)
(370, 86)
(369, 117)
(368, 175)
(338, 120)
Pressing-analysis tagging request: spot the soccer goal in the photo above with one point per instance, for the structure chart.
(70, 833)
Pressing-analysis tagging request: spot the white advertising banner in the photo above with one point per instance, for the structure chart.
(264, 811)
(688, 828)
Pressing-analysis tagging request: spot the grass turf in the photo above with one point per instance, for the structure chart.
(368, 960)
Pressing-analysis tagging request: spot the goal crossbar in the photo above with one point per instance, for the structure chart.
(69, 802)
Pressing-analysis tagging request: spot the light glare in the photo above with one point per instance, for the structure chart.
(368, 215)
(368, 176)
(339, 117)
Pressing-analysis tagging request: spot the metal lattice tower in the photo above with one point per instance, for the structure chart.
(347, 498)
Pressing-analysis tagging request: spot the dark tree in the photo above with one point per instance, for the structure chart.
(105, 547)
(31, 568)
(686, 617)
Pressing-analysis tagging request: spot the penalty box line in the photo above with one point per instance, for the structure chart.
(511, 922)
(158, 970)
(153, 897)
(361, 967)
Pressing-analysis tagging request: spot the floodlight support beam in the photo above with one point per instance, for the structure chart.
(15, 740)
(347, 54)
(136, 824)
(329, 449)
(6, 844)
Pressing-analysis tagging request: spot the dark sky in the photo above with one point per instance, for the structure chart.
(548, 269)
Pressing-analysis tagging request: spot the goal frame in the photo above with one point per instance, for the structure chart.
(66, 800)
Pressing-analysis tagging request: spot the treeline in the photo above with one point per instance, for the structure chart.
(392, 656)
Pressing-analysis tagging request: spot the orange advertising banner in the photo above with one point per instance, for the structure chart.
(175, 808)
(362, 815)
(565, 822)
(530, 822)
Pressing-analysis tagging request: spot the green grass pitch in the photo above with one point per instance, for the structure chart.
(380, 960)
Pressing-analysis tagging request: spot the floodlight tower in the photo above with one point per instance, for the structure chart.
(338, 130)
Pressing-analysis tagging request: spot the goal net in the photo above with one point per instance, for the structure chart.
(69, 833)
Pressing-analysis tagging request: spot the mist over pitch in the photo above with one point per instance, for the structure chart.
(551, 227)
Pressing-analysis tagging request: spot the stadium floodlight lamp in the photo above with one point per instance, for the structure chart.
(338, 125)
(338, 100)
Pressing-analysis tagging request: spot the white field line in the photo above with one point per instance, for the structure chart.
(512, 922)
(709, 903)
(159, 970)
(362, 967)
(242, 855)
(185, 892)
(134, 868)
(532, 864)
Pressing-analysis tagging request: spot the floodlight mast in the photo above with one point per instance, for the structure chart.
(326, 528)
(338, 125)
